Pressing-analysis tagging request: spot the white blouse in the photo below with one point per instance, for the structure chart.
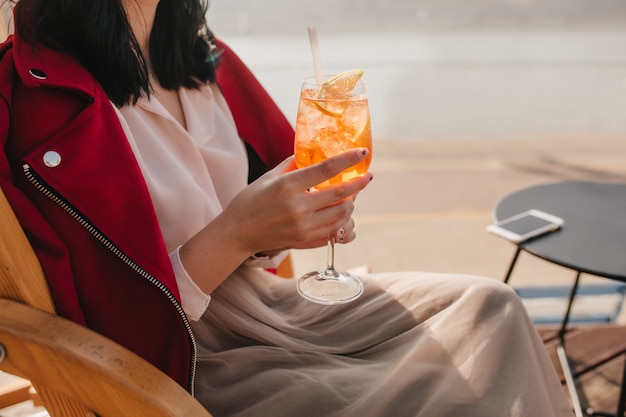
(192, 173)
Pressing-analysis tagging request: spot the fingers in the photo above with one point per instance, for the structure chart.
(333, 194)
(313, 175)
(299, 180)
(346, 233)
(282, 199)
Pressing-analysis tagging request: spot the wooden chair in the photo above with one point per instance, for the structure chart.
(75, 371)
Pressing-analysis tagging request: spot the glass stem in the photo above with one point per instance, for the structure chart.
(330, 272)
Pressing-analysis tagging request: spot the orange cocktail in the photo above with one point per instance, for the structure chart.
(333, 118)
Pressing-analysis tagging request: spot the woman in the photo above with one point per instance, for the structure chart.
(125, 166)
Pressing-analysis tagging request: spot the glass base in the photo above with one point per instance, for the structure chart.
(330, 287)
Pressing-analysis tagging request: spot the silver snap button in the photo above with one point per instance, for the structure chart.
(52, 159)
(36, 73)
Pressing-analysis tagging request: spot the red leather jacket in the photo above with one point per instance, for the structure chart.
(73, 181)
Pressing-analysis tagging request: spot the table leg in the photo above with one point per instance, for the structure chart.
(512, 265)
(568, 311)
(560, 349)
(562, 355)
(567, 373)
(569, 380)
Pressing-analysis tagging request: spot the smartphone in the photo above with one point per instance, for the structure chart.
(526, 225)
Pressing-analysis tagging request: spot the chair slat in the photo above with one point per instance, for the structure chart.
(21, 277)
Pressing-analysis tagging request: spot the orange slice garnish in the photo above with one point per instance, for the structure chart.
(337, 88)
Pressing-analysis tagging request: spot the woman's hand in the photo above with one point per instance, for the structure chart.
(276, 212)
(344, 234)
(281, 212)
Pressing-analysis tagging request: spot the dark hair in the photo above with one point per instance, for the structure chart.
(98, 34)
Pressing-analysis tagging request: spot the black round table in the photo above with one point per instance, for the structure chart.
(593, 237)
(592, 240)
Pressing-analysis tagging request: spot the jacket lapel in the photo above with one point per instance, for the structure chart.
(96, 172)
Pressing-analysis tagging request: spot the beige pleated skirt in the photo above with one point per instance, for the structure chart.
(415, 344)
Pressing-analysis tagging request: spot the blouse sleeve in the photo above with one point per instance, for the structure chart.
(193, 299)
(266, 261)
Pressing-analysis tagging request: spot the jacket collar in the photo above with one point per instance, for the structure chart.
(46, 67)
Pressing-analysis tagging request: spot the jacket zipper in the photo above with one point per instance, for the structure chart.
(41, 186)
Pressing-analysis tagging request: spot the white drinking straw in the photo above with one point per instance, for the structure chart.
(315, 51)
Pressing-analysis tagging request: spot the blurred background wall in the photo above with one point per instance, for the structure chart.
(282, 16)
(440, 69)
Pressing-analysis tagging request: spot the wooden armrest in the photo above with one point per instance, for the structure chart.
(74, 361)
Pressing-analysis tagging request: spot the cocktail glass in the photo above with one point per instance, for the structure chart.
(332, 118)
